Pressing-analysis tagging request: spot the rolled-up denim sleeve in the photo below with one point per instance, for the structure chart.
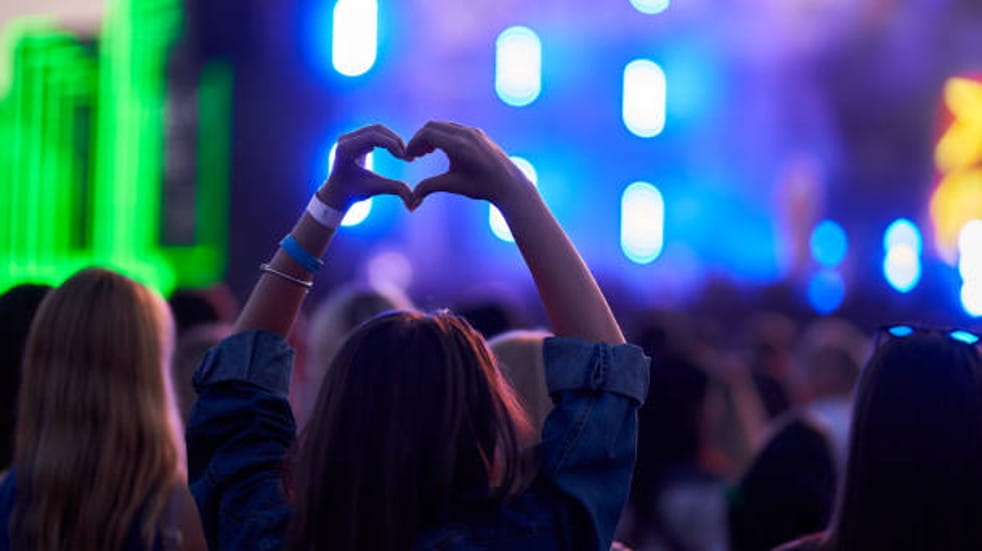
(589, 440)
(238, 435)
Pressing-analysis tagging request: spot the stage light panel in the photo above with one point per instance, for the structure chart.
(644, 98)
(902, 268)
(354, 38)
(642, 222)
(651, 7)
(971, 296)
(903, 232)
(518, 66)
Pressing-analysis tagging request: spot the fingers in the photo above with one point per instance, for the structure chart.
(363, 140)
(387, 186)
(435, 135)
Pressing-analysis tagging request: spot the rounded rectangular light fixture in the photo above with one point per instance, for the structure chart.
(354, 40)
(518, 66)
(642, 222)
(644, 99)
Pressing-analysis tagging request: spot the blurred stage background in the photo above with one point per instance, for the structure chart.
(713, 155)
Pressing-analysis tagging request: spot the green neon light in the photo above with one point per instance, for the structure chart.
(82, 189)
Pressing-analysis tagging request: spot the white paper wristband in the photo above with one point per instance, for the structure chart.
(323, 214)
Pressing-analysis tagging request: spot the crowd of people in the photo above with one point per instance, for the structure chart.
(133, 423)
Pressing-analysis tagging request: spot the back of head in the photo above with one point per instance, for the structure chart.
(190, 349)
(202, 306)
(335, 318)
(98, 437)
(914, 473)
(17, 309)
(829, 359)
(670, 427)
(413, 419)
(341, 313)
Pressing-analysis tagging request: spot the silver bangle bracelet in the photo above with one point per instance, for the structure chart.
(266, 268)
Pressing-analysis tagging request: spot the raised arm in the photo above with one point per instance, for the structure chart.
(241, 426)
(275, 300)
(480, 169)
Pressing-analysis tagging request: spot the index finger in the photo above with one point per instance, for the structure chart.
(434, 136)
(362, 141)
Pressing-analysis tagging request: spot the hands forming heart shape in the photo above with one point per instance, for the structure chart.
(479, 169)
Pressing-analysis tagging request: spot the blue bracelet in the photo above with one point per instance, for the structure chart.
(300, 255)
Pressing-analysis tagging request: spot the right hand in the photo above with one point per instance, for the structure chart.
(479, 169)
(349, 181)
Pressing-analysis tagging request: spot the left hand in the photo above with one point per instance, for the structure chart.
(350, 182)
(479, 169)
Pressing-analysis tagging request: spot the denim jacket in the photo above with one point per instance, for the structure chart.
(241, 429)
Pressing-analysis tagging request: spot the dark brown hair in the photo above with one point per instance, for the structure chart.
(914, 474)
(413, 418)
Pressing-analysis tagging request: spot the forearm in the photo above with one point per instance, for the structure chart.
(574, 303)
(275, 301)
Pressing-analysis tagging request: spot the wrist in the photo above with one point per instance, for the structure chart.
(518, 197)
(330, 194)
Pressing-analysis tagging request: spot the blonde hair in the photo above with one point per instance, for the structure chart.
(99, 440)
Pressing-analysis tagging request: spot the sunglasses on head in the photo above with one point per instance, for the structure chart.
(903, 331)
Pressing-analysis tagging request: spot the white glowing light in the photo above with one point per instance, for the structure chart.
(359, 211)
(972, 298)
(642, 222)
(903, 232)
(651, 7)
(970, 266)
(902, 268)
(643, 108)
(518, 66)
(970, 239)
(354, 41)
(499, 227)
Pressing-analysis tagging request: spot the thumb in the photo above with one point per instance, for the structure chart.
(387, 186)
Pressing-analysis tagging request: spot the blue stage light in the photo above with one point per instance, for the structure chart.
(499, 227)
(829, 244)
(826, 291)
(518, 66)
(642, 222)
(651, 7)
(644, 98)
(354, 40)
